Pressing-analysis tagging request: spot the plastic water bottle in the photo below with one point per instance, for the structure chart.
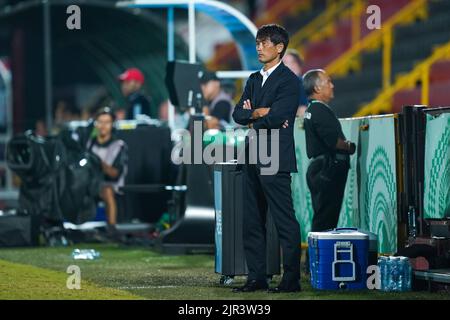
(382, 264)
(396, 273)
(393, 273)
(85, 254)
(407, 274)
(388, 286)
(409, 270)
(401, 274)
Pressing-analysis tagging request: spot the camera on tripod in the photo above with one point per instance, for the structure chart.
(59, 179)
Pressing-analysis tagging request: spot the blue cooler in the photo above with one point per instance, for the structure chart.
(338, 259)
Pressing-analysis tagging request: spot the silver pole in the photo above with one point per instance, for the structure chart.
(192, 44)
(5, 74)
(170, 34)
(48, 64)
(171, 57)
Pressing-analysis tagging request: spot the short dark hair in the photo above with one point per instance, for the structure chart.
(310, 80)
(276, 34)
(208, 76)
(105, 110)
(296, 55)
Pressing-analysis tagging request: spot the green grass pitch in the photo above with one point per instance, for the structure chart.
(139, 273)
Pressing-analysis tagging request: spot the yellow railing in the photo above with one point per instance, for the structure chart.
(383, 103)
(323, 25)
(350, 60)
(272, 15)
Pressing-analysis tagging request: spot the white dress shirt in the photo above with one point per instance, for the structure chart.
(266, 74)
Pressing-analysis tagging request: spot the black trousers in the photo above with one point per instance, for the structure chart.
(273, 193)
(326, 194)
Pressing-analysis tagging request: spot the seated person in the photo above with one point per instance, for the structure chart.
(218, 112)
(113, 154)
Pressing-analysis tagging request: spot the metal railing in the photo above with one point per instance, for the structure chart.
(323, 25)
(351, 60)
(280, 7)
(383, 102)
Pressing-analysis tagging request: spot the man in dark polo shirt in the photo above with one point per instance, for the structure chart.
(329, 150)
(220, 104)
(132, 81)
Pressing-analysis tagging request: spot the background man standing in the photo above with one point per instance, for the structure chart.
(270, 101)
(294, 61)
(137, 103)
(218, 111)
(327, 146)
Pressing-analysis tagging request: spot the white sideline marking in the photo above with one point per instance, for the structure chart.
(146, 287)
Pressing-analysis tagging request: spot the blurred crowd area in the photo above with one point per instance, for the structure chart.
(85, 63)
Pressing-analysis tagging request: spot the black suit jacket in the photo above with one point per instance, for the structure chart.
(280, 93)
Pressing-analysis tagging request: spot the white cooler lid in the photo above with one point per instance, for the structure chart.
(339, 235)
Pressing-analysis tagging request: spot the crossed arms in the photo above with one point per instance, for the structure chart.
(273, 117)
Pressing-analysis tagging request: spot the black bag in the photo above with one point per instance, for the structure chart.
(60, 181)
(18, 231)
(82, 178)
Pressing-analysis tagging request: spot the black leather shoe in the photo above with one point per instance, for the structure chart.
(251, 286)
(284, 289)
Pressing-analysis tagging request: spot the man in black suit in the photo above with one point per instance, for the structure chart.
(270, 101)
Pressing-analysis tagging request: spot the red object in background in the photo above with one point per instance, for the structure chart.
(440, 71)
(317, 57)
(132, 74)
(439, 88)
(405, 98)
(419, 263)
(438, 96)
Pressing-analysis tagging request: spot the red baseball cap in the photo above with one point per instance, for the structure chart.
(132, 74)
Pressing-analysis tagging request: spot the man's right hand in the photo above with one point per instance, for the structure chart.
(260, 112)
(346, 145)
(352, 148)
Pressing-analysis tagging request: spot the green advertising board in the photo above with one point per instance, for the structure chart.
(378, 187)
(349, 216)
(370, 198)
(437, 167)
(300, 193)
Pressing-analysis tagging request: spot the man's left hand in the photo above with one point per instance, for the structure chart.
(247, 105)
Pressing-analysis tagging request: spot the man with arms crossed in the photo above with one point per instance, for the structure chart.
(270, 101)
